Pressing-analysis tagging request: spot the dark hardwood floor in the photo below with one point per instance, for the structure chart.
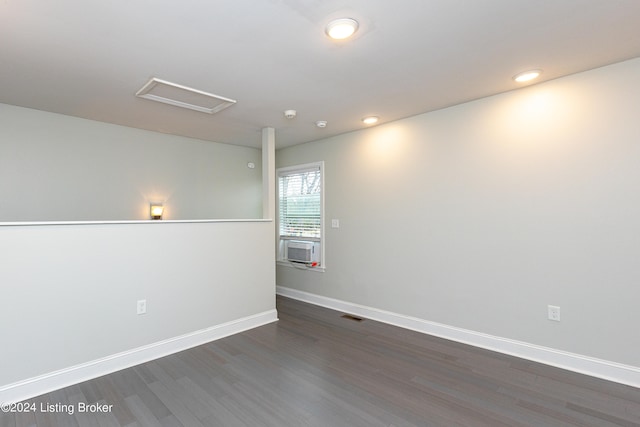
(316, 368)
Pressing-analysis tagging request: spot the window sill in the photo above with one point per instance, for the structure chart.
(299, 267)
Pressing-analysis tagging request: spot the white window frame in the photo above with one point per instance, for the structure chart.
(280, 249)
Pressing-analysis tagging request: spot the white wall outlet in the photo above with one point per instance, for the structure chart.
(141, 307)
(335, 223)
(553, 313)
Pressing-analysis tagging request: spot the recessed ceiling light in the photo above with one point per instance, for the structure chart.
(527, 75)
(321, 123)
(370, 120)
(342, 28)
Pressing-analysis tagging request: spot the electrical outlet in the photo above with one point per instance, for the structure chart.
(142, 306)
(553, 313)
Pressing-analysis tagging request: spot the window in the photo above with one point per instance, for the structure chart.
(300, 215)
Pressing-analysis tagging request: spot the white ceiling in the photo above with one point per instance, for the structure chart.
(87, 58)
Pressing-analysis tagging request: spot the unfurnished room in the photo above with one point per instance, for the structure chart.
(319, 213)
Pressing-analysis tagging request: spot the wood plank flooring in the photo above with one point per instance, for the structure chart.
(316, 368)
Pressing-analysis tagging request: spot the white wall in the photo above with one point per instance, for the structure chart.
(61, 168)
(69, 292)
(480, 215)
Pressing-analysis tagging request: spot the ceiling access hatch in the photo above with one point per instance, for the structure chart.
(183, 96)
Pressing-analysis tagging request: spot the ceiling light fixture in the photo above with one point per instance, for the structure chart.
(321, 123)
(527, 76)
(370, 120)
(342, 28)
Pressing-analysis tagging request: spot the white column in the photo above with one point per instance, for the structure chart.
(269, 173)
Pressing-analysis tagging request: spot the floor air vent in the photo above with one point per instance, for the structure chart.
(352, 317)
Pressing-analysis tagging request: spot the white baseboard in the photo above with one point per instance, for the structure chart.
(612, 371)
(46, 383)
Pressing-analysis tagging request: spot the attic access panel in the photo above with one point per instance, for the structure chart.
(183, 96)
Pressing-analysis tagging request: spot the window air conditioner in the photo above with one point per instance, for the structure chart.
(298, 251)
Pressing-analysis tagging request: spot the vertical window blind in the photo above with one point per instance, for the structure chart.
(300, 203)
